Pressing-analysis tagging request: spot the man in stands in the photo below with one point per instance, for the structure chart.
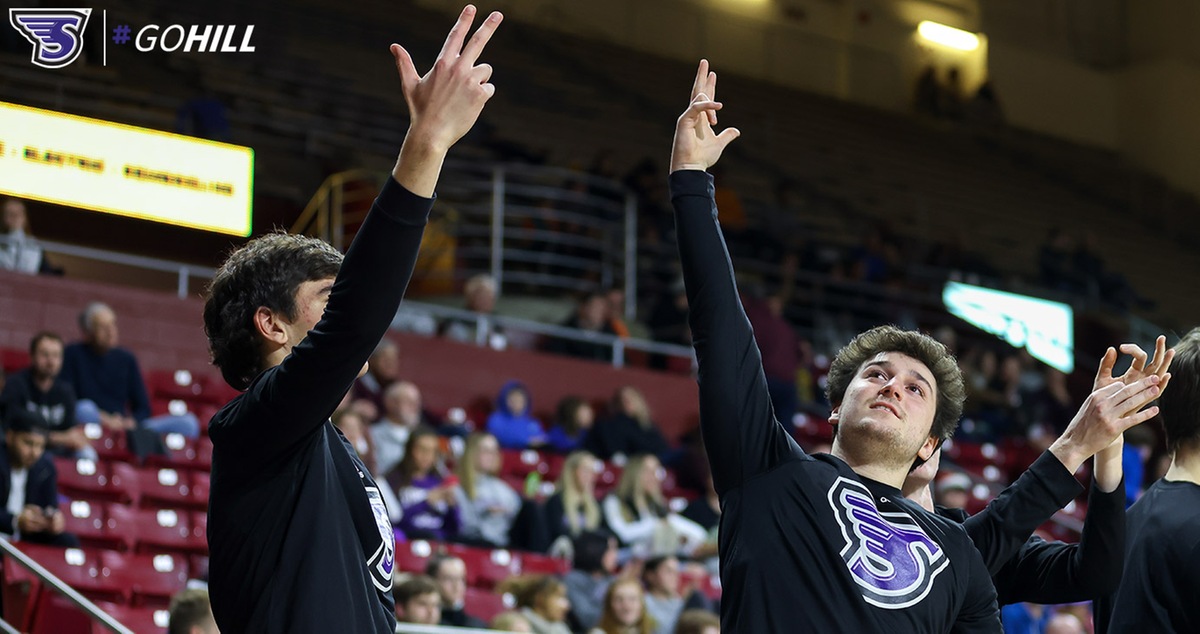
(29, 484)
(402, 414)
(1162, 548)
(480, 295)
(384, 371)
(298, 532)
(108, 381)
(191, 613)
(418, 601)
(828, 542)
(450, 575)
(39, 388)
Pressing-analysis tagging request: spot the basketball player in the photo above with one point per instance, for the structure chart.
(1031, 569)
(299, 536)
(1160, 590)
(828, 543)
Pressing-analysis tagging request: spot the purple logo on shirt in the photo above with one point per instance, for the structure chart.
(890, 557)
(383, 560)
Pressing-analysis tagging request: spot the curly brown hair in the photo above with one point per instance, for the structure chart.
(266, 271)
(946, 374)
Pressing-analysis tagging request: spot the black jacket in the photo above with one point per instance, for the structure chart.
(41, 487)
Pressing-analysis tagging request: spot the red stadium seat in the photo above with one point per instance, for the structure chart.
(486, 567)
(85, 520)
(88, 479)
(485, 604)
(56, 614)
(139, 620)
(413, 556)
(14, 359)
(539, 564)
(168, 487)
(81, 568)
(151, 579)
(167, 530)
(110, 444)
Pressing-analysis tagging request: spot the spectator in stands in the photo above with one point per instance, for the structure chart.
(593, 565)
(511, 621)
(591, 316)
(511, 422)
(628, 429)
(637, 512)
(780, 349)
(480, 294)
(698, 622)
(382, 371)
(40, 388)
(573, 508)
(543, 602)
(616, 311)
(354, 428)
(953, 490)
(108, 381)
(19, 251)
(191, 613)
(625, 610)
(487, 505)
(418, 601)
(450, 575)
(664, 601)
(427, 507)
(573, 419)
(401, 415)
(29, 484)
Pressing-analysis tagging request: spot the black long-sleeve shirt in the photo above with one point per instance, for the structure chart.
(299, 535)
(1026, 568)
(806, 544)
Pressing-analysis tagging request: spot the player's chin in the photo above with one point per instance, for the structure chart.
(363, 371)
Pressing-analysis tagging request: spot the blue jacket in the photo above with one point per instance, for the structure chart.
(514, 430)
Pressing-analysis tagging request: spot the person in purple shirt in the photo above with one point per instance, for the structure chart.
(426, 506)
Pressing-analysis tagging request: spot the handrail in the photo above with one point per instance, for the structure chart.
(58, 584)
(619, 345)
(415, 628)
(184, 271)
(6, 628)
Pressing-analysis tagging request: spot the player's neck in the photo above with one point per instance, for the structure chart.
(1185, 467)
(872, 468)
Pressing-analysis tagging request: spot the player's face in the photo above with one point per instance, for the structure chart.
(890, 403)
(311, 298)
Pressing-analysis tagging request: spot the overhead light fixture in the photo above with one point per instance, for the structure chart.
(948, 36)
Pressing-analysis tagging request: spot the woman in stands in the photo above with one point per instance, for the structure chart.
(573, 508)
(625, 610)
(628, 430)
(573, 420)
(637, 512)
(427, 505)
(487, 506)
(543, 602)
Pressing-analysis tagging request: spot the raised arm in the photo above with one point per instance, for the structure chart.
(741, 435)
(443, 105)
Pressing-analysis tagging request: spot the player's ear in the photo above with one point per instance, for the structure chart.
(269, 325)
(833, 414)
(926, 450)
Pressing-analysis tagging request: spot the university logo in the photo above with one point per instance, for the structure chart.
(56, 34)
(889, 556)
(383, 560)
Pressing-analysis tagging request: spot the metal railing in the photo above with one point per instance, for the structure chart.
(62, 588)
(411, 311)
(543, 229)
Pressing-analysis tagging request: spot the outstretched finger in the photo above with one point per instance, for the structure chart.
(482, 35)
(698, 82)
(1137, 395)
(458, 33)
(1104, 372)
(710, 89)
(1162, 357)
(1139, 356)
(1137, 418)
(409, 77)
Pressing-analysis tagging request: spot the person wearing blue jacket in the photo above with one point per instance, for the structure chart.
(511, 423)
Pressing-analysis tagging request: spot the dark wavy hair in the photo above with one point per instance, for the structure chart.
(265, 272)
(1180, 403)
(946, 374)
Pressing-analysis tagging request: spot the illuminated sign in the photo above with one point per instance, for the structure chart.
(125, 170)
(1043, 327)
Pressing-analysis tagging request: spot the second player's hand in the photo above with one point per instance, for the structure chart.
(697, 146)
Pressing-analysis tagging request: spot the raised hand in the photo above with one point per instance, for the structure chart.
(696, 146)
(1105, 415)
(1139, 368)
(445, 102)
